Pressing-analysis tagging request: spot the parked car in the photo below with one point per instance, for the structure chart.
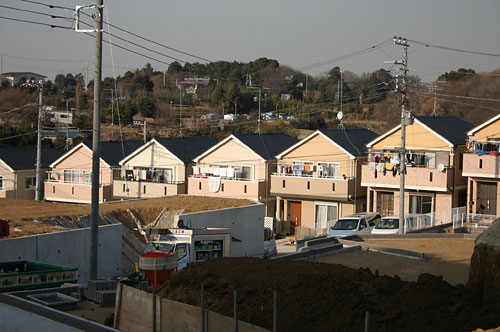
(355, 224)
(390, 224)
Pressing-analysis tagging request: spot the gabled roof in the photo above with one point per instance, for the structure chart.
(266, 146)
(24, 157)
(449, 128)
(351, 141)
(111, 151)
(481, 126)
(183, 148)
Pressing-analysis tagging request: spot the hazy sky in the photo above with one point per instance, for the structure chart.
(296, 33)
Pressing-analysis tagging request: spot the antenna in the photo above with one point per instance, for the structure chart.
(340, 116)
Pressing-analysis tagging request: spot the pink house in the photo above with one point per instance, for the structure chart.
(71, 175)
(240, 166)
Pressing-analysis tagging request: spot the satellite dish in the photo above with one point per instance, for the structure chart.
(340, 115)
(441, 167)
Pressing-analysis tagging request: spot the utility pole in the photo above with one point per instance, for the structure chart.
(38, 191)
(96, 138)
(401, 86)
(145, 131)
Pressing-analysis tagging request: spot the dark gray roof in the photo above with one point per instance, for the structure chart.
(267, 145)
(187, 148)
(352, 140)
(450, 127)
(24, 157)
(112, 151)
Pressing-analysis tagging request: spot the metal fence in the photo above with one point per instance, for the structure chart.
(473, 220)
(415, 222)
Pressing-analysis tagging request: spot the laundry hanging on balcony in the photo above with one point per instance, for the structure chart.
(213, 184)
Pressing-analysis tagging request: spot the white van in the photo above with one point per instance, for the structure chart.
(355, 224)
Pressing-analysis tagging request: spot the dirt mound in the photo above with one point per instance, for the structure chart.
(329, 297)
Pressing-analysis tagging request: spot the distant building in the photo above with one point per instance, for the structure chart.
(53, 115)
(72, 135)
(15, 78)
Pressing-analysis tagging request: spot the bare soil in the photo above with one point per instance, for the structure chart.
(449, 258)
(330, 297)
(22, 212)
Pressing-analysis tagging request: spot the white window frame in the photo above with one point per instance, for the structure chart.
(321, 163)
(337, 205)
(303, 162)
(72, 173)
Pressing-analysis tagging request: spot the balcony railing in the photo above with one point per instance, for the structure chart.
(417, 178)
(286, 184)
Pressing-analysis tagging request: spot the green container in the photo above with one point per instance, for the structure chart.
(23, 275)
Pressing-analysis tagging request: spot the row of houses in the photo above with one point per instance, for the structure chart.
(329, 174)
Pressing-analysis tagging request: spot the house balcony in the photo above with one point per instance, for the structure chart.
(417, 178)
(227, 187)
(486, 166)
(146, 188)
(60, 191)
(291, 185)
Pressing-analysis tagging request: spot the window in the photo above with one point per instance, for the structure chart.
(283, 183)
(328, 170)
(86, 177)
(181, 251)
(243, 172)
(71, 176)
(245, 189)
(222, 187)
(480, 163)
(30, 182)
(430, 177)
(124, 187)
(1, 182)
(304, 168)
(325, 214)
(421, 204)
(144, 189)
(165, 191)
(199, 185)
(308, 185)
(53, 189)
(333, 186)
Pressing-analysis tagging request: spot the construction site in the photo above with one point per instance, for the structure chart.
(411, 282)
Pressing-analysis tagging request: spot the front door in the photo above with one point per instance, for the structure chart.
(295, 214)
(385, 203)
(486, 198)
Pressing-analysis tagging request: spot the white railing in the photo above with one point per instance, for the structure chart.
(313, 176)
(415, 222)
(474, 220)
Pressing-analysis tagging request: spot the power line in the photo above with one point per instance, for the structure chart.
(124, 30)
(138, 45)
(465, 97)
(347, 56)
(44, 4)
(35, 12)
(38, 23)
(453, 49)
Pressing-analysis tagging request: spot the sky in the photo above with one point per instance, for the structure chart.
(299, 34)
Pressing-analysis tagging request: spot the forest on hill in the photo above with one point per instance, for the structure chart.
(192, 99)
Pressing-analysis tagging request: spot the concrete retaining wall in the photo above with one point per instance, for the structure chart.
(246, 224)
(70, 248)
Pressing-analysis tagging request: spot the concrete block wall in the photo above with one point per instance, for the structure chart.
(70, 248)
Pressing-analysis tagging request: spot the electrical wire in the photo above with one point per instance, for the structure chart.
(126, 31)
(35, 12)
(34, 22)
(347, 56)
(465, 97)
(453, 49)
